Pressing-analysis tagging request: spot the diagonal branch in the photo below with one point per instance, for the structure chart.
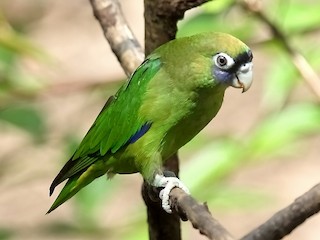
(198, 214)
(116, 30)
(285, 221)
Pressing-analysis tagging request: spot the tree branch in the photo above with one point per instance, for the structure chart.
(285, 221)
(161, 17)
(116, 30)
(198, 214)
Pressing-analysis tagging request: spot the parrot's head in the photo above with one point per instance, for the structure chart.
(232, 64)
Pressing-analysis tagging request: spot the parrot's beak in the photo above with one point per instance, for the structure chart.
(243, 78)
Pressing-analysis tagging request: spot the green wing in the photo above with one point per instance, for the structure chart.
(117, 124)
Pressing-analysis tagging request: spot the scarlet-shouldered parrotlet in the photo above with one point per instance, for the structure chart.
(167, 101)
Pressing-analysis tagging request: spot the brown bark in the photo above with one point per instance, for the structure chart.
(116, 30)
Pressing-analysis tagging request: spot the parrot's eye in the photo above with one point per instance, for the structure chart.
(223, 61)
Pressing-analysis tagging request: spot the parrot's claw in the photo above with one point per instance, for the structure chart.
(168, 183)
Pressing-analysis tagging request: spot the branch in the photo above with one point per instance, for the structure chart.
(198, 214)
(116, 30)
(161, 17)
(304, 68)
(285, 221)
(279, 225)
(161, 225)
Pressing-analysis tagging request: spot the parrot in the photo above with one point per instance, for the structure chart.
(176, 91)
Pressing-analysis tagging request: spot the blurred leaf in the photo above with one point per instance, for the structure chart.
(274, 135)
(25, 117)
(211, 163)
(17, 43)
(281, 129)
(6, 234)
(312, 52)
(203, 22)
(136, 231)
(230, 198)
(194, 145)
(299, 17)
(280, 81)
(217, 22)
(13, 48)
(90, 199)
(217, 6)
(63, 229)
(6, 56)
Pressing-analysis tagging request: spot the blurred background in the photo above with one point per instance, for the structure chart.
(257, 156)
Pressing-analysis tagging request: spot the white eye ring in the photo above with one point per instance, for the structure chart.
(223, 61)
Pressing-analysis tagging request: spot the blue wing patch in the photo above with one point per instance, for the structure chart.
(139, 133)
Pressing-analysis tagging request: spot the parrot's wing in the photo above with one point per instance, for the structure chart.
(117, 125)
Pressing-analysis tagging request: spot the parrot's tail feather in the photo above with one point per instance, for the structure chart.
(70, 189)
(62, 175)
(73, 167)
(74, 184)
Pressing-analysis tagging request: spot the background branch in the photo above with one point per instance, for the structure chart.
(116, 30)
(285, 221)
(309, 76)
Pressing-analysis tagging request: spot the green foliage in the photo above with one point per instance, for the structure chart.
(299, 17)
(89, 201)
(15, 83)
(276, 92)
(214, 17)
(6, 234)
(281, 129)
(14, 47)
(25, 117)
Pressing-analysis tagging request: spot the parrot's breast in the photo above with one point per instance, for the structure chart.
(207, 105)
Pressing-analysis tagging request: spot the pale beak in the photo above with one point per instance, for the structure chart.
(243, 78)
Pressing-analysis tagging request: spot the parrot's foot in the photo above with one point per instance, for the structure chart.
(168, 183)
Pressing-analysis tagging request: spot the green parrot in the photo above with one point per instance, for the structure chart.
(168, 100)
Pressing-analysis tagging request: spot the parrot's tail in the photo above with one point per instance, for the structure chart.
(68, 191)
(74, 185)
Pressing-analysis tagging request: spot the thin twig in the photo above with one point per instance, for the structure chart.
(302, 65)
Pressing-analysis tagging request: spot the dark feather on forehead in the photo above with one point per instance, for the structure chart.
(244, 57)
